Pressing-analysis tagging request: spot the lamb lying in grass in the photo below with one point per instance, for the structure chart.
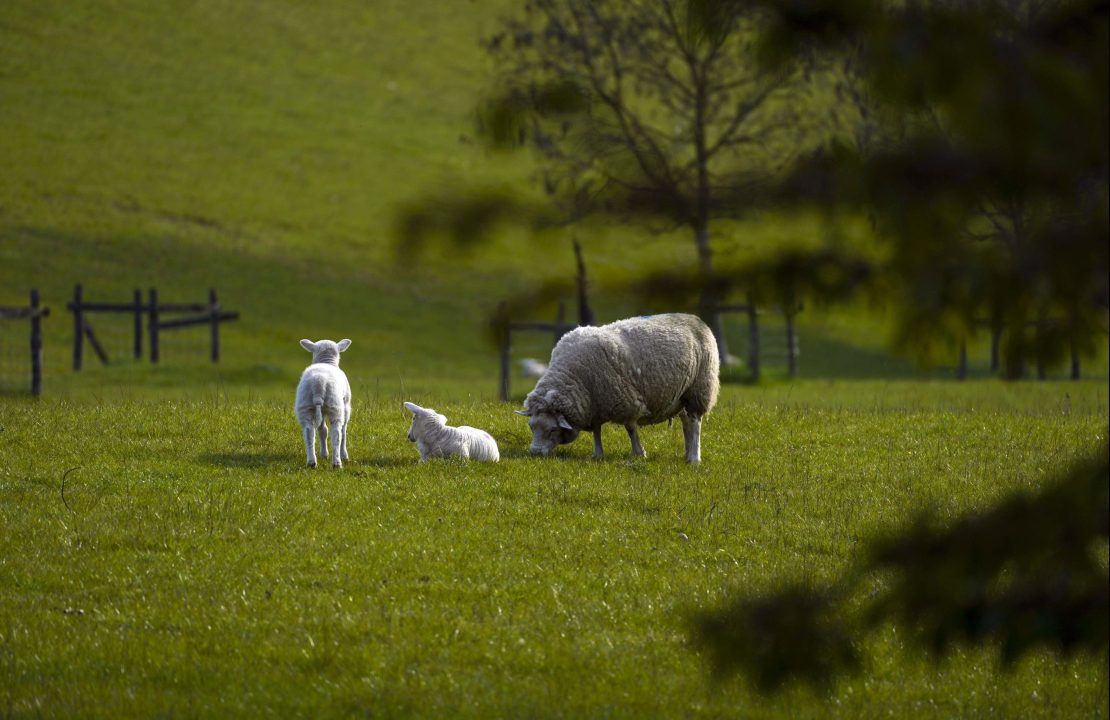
(434, 439)
(324, 393)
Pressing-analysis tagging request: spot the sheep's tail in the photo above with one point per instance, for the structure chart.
(318, 413)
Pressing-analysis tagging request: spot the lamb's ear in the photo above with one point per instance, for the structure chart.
(564, 424)
(308, 345)
(344, 344)
(525, 413)
(413, 408)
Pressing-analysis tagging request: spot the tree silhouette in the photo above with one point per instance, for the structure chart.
(652, 108)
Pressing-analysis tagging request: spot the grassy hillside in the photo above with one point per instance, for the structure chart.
(263, 148)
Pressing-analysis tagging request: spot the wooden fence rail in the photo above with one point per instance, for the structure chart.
(208, 313)
(34, 312)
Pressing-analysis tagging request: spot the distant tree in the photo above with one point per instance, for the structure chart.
(657, 108)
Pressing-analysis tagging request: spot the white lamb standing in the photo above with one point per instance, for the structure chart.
(435, 439)
(324, 393)
(634, 372)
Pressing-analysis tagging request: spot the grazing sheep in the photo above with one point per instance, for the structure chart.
(434, 439)
(638, 371)
(532, 368)
(324, 392)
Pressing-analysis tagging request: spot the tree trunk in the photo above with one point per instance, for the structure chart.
(708, 302)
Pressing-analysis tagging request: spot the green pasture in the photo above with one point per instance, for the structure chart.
(174, 559)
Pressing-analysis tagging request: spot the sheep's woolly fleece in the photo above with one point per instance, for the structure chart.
(642, 370)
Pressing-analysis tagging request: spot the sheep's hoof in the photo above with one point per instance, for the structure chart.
(311, 465)
(337, 465)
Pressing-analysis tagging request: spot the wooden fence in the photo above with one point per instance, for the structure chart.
(33, 313)
(996, 341)
(560, 327)
(208, 314)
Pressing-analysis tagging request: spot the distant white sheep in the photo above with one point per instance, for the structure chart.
(324, 393)
(532, 368)
(435, 439)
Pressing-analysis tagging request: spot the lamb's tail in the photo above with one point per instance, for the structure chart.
(318, 413)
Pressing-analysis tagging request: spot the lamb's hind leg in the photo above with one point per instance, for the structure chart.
(346, 424)
(323, 432)
(310, 444)
(634, 436)
(691, 433)
(338, 430)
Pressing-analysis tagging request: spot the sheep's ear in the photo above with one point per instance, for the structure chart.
(564, 424)
(525, 413)
(308, 345)
(413, 408)
(344, 344)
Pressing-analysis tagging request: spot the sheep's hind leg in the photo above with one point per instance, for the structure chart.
(691, 433)
(338, 429)
(323, 432)
(634, 436)
(310, 445)
(598, 452)
(346, 423)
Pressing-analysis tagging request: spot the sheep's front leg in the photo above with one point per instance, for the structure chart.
(598, 452)
(338, 430)
(691, 433)
(310, 445)
(323, 432)
(634, 436)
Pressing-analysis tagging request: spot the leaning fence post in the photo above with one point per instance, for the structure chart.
(1074, 362)
(153, 329)
(138, 299)
(78, 326)
(36, 344)
(214, 310)
(753, 338)
(560, 320)
(996, 337)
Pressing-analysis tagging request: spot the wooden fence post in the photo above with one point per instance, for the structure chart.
(153, 325)
(753, 338)
(1074, 362)
(78, 326)
(138, 299)
(214, 310)
(996, 338)
(36, 344)
(506, 348)
(560, 320)
(961, 366)
(791, 345)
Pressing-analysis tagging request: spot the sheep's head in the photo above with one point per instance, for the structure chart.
(422, 418)
(550, 428)
(326, 351)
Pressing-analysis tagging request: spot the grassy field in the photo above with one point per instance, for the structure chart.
(164, 554)
(165, 559)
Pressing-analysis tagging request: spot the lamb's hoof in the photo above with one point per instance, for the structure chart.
(311, 465)
(337, 465)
